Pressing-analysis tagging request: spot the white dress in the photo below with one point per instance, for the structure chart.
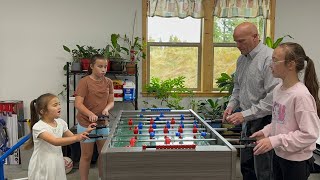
(47, 162)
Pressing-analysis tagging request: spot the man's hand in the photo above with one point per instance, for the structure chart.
(226, 113)
(235, 118)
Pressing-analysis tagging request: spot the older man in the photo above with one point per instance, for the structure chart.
(253, 85)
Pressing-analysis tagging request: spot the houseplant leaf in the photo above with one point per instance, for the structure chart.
(269, 42)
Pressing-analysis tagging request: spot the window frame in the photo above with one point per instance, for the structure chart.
(206, 49)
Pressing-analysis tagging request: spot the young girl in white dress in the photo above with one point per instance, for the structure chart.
(48, 135)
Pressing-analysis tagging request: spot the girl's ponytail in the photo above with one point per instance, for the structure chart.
(34, 119)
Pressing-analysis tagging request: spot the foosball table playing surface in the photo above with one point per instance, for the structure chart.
(168, 144)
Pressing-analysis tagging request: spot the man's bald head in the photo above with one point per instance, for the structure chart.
(246, 27)
(246, 36)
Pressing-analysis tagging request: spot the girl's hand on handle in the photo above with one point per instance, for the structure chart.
(91, 127)
(262, 146)
(258, 135)
(83, 136)
(105, 112)
(93, 118)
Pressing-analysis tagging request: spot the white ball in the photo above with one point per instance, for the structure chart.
(68, 164)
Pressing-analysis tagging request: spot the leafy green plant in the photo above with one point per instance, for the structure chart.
(115, 49)
(212, 109)
(122, 45)
(225, 82)
(168, 91)
(135, 46)
(275, 44)
(82, 52)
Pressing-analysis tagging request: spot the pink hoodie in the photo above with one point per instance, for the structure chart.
(295, 124)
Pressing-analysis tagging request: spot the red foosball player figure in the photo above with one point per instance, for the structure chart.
(180, 130)
(135, 131)
(151, 121)
(167, 141)
(194, 130)
(130, 123)
(165, 130)
(132, 142)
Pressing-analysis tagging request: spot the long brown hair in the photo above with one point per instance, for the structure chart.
(93, 60)
(38, 107)
(295, 52)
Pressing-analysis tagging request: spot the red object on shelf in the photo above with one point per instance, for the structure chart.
(85, 64)
(108, 65)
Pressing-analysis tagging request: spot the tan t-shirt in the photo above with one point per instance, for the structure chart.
(95, 94)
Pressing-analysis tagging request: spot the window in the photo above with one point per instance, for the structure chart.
(174, 49)
(224, 48)
(199, 49)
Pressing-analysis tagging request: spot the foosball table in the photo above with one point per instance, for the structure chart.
(166, 144)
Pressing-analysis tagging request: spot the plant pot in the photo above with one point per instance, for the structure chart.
(131, 68)
(132, 55)
(108, 66)
(85, 64)
(75, 66)
(116, 66)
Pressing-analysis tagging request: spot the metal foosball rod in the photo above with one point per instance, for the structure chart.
(184, 129)
(156, 134)
(163, 118)
(245, 142)
(160, 140)
(157, 115)
(157, 122)
(158, 125)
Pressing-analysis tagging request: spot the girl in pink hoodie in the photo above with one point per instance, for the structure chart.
(295, 123)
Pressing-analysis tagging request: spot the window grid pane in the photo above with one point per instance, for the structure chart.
(225, 59)
(169, 62)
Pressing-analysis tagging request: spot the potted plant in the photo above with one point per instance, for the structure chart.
(81, 56)
(168, 92)
(225, 82)
(76, 56)
(212, 109)
(114, 53)
(136, 52)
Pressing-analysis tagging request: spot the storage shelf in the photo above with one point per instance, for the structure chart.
(118, 73)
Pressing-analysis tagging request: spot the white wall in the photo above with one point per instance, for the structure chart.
(300, 19)
(32, 34)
